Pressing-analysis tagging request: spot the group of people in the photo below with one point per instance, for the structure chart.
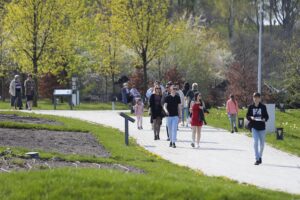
(187, 107)
(175, 105)
(16, 92)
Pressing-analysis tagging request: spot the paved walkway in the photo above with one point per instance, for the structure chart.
(220, 153)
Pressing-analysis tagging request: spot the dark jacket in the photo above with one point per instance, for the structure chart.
(259, 112)
(156, 110)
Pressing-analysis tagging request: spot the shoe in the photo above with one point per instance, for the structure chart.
(260, 160)
(155, 137)
(168, 139)
(193, 145)
(170, 144)
(174, 146)
(235, 129)
(158, 137)
(257, 162)
(141, 127)
(232, 131)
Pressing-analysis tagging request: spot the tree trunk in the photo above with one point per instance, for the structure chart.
(36, 94)
(144, 58)
(113, 83)
(34, 54)
(271, 16)
(231, 21)
(3, 88)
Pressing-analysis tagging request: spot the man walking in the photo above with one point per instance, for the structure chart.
(257, 115)
(172, 109)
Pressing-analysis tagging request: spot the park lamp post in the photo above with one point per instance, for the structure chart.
(260, 12)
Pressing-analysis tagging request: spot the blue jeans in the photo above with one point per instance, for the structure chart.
(232, 118)
(184, 113)
(172, 128)
(259, 137)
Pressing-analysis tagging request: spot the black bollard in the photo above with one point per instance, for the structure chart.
(127, 118)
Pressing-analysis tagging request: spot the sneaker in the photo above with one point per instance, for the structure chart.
(235, 129)
(193, 145)
(257, 162)
(155, 137)
(170, 144)
(168, 139)
(232, 131)
(141, 127)
(174, 146)
(158, 137)
(260, 160)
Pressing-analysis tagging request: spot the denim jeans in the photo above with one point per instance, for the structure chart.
(172, 127)
(232, 118)
(184, 113)
(258, 137)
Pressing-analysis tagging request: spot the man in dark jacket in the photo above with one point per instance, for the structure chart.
(257, 115)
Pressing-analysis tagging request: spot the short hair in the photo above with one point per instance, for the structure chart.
(195, 86)
(29, 75)
(17, 76)
(256, 94)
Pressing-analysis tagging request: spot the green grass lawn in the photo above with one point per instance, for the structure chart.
(47, 105)
(162, 180)
(288, 120)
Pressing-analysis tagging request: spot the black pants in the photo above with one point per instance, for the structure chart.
(18, 100)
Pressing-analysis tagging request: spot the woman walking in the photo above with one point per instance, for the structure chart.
(232, 109)
(156, 110)
(197, 106)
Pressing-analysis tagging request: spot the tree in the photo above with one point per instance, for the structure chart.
(108, 43)
(144, 28)
(242, 83)
(292, 74)
(31, 24)
(286, 13)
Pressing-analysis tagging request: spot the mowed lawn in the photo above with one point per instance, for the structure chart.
(46, 104)
(162, 179)
(289, 121)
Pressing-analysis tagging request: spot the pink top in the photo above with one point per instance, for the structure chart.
(232, 107)
(139, 109)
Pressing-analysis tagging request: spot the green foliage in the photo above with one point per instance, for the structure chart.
(292, 72)
(162, 180)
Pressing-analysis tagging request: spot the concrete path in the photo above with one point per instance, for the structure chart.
(221, 153)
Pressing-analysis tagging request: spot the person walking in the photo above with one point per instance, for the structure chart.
(156, 111)
(181, 95)
(139, 111)
(257, 115)
(190, 95)
(232, 109)
(125, 93)
(185, 112)
(172, 110)
(164, 96)
(15, 90)
(197, 119)
(29, 86)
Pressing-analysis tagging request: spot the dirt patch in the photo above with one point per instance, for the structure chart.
(11, 163)
(27, 119)
(53, 141)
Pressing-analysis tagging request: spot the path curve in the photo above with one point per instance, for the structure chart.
(220, 153)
